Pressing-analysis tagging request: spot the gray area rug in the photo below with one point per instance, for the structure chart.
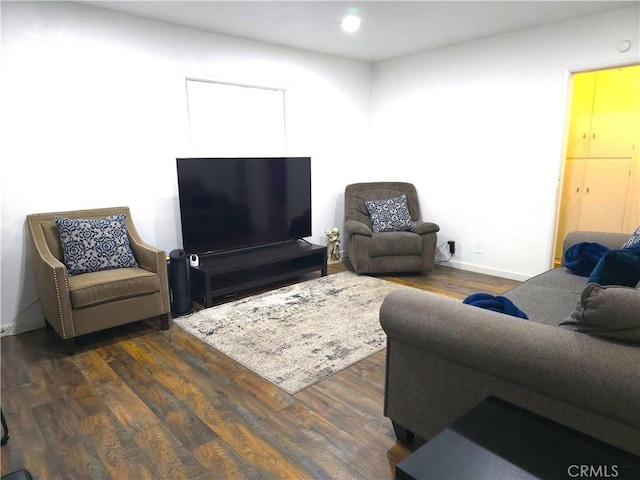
(297, 335)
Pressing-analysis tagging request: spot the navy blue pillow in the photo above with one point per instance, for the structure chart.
(618, 267)
(583, 257)
(495, 304)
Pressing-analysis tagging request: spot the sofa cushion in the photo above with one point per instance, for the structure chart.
(390, 215)
(94, 288)
(546, 305)
(611, 240)
(618, 267)
(560, 279)
(611, 312)
(91, 245)
(634, 240)
(395, 243)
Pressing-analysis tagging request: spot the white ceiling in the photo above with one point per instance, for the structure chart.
(389, 28)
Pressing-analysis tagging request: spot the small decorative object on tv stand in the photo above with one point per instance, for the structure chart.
(224, 273)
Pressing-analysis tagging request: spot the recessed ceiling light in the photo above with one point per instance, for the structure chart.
(351, 23)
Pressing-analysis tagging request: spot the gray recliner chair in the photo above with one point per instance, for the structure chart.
(387, 252)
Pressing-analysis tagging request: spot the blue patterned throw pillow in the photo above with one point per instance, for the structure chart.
(91, 245)
(390, 215)
(634, 240)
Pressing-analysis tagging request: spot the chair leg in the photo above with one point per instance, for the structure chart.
(69, 345)
(164, 321)
(5, 429)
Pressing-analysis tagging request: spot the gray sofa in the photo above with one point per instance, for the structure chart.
(444, 357)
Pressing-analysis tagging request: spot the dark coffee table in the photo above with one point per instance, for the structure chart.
(497, 440)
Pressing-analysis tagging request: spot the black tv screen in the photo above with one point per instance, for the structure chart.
(233, 203)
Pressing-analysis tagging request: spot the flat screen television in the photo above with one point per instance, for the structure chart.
(235, 203)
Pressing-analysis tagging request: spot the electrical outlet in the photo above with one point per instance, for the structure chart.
(452, 247)
(479, 248)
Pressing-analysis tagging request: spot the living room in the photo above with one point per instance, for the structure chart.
(94, 115)
(95, 101)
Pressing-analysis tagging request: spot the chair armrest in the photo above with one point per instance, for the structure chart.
(423, 228)
(574, 367)
(153, 260)
(354, 227)
(52, 283)
(148, 257)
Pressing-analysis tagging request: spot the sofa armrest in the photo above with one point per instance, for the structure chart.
(354, 227)
(423, 228)
(588, 372)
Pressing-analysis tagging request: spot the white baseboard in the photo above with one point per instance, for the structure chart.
(479, 269)
(29, 319)
(487, 271)
(15, 329)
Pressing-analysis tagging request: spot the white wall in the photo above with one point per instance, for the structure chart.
(94, 114)
(479, 128)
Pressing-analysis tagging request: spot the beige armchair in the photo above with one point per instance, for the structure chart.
(75, 305)
(387, 252)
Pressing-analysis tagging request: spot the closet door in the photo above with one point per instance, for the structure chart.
(594, 196)
(605, 187)
(572, 194)
(616, 113)
(580, 120)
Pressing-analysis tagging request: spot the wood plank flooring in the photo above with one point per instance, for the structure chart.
(136, 402)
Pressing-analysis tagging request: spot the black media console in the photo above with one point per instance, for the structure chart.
(221, 274)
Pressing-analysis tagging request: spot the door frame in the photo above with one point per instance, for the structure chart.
(569, 75)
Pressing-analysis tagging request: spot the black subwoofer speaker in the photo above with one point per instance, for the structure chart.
(179, 283)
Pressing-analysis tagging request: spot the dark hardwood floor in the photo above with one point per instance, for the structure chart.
(136, 402)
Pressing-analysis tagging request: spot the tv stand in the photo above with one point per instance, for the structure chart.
(221, 274)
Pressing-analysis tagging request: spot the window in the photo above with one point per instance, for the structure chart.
(229, 120)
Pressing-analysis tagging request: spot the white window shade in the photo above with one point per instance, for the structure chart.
(235, 121)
